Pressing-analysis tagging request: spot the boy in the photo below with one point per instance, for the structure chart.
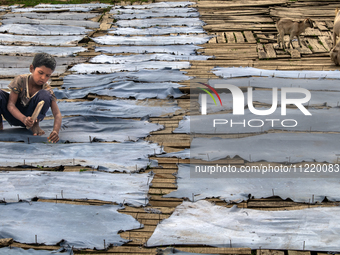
(27, 91)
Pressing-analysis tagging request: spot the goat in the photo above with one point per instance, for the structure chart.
(335, 54)
(336, 27)
(291, 28)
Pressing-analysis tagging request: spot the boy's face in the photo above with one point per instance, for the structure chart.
(40, 74)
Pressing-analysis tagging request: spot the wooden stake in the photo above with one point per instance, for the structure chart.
(37, 110)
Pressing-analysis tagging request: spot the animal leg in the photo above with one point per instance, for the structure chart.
(283, 41)
(278, 40)
(290, 43)
(298, 37)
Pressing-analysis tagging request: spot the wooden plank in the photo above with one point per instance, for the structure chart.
(179, 137)
(106, 22)
(213, 40)
(149, 222)
(260, 51)
(36, 247)
(133, 243)
(269, 252)
(299, 252)
(6, 242)
(249, 36)
(294, 53)
(168, 167)
(164, 210)
(212, 250)
(169, 176)
(164, 203)
(136, 235)
(162, 185)
(316, 46)
(170, 160)
(319, 253)
(230, 37)
(264, 203)
(303, 49)
(147, 228)
(329, 24)
(149, 216)
(321, 25)
(224, 19)
(170, 118)
(328, 34)
(323, 40)
(311, 32)
(272, 37)
(239, 37)
(227, 46)
(156, 197)
(243, 12)
(228, 50)
(319, 12)
(229, 4)
(303, 62)
(96, 19)
(221, 38)
(171, 144)
(270, 50)
(227, 27)
(160, 191)
(130, 249)
(235, 55)
(267, 39)
(161, 180)
(76, 201)
(294, 68)
(129, 209)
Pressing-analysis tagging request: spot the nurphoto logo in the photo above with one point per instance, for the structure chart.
(239, 103)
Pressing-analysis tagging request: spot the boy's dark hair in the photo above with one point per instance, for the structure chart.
(44, 59)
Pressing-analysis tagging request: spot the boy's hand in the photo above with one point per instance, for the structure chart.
(28, 122)
(54, 137)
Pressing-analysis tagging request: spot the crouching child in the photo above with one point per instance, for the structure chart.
(27, 91)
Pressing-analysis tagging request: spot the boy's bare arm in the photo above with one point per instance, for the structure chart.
(54, 136)
(13, 98)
